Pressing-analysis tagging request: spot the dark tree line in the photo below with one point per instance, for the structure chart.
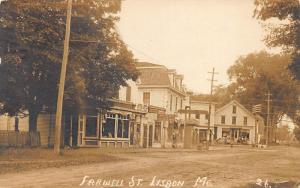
(31, 46)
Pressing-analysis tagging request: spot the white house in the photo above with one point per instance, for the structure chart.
(233, 121)
(163, 87)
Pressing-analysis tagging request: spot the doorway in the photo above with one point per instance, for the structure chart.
(145, 136)
(150, 136)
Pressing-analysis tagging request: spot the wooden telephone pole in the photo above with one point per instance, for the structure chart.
(61, 89)
(212, 80)
(268, 117)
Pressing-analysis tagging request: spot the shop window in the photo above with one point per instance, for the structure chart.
(222, 119)
(108, 129)
(225, 132)
(233, 120)
(146, 98)
(123, 126)
(157, 133)
(91, 126)
(245, 134)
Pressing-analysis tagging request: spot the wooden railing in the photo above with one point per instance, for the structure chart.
(19, 139)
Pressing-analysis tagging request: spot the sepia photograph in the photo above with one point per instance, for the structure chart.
(150, 93)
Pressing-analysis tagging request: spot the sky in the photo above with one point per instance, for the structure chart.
(191, 36)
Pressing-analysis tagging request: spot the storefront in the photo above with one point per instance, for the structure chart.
(237, 134)
(116, 128)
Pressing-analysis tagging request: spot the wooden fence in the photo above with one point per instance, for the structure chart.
(19, 139)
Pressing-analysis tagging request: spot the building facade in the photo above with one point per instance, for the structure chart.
(234, 123)
(162, 87)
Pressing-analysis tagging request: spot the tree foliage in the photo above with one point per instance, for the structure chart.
(221, 95)
(297, 133)
(283, 134)
(285, 30)
(31, 46)
(256, 74)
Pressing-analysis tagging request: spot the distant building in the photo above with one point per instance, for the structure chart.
(234, 123)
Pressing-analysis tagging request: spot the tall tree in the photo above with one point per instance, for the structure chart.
(31, 45)
(284, 28)
(256, 74)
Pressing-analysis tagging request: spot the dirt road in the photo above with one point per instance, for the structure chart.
(219, 167)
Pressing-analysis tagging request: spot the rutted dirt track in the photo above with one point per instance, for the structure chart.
(223, 167)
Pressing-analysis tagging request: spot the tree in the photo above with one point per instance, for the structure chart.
(31, 46)
(221, 95)
(297, 133)
(283, 134)
(256, 74)
(285, 31)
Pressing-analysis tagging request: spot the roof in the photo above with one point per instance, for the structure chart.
(147, 64)
(237, 103)
(193, 111)
(155, 76)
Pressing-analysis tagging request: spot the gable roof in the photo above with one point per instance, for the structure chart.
(238, 104)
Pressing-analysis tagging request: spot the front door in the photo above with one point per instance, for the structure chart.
(131, 135)
(91, 126)
(80, 140)
(150, 135)
(145, 136)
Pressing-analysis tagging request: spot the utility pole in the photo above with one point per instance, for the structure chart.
(268, 116)
(57, 143)
(212, 80)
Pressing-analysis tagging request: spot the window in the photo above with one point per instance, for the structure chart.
(234, 109)
(108, 129)
(16, 123)
(117, 122)
(91, 126)
(207, 116)
(245, 120)
(123, 126)
(157, 133)
(116, 95)
(233, 120)
(222, 119)
(146, 98)
(176, 103)
(128, 93)
(171, 102)
(197, 116)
